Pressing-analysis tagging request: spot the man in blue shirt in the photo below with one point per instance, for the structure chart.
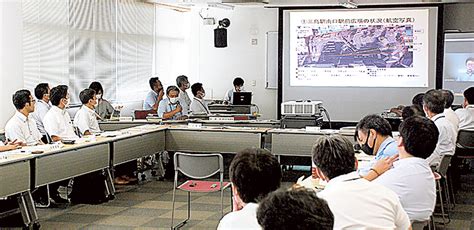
(374, 135)
(153, 97)
(172, 107)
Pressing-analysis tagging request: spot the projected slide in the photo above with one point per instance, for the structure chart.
(387, 48)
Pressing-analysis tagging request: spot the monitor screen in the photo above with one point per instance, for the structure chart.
(458, 71)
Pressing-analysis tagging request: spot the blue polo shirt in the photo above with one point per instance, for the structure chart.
(388, 148)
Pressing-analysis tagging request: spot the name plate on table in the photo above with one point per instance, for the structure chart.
(194, 125)
(221, 118)
(313, 129)
(126, 119)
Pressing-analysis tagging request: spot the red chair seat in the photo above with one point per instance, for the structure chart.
(202, 186)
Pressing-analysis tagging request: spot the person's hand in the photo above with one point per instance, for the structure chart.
(11, 147)
(178, 108)
(160, 94)
(384, 164)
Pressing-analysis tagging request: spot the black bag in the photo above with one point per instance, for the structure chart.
(89, 189)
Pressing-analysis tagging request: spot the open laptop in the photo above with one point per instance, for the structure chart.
(242, 98)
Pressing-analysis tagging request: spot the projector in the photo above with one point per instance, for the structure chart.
(301, 107)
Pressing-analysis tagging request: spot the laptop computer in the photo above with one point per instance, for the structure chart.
(242, 98)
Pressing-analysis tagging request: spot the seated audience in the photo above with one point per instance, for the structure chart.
(254, 173)
(412, 110)
(154, 97)
(374, 135)
(85, 119)
(199, 105)
(42, 107)
(411, 177)
(171, 107)
(183, 84)
(57, 121)
(104, 109)
(22, 127)
(238, 87)
(433, 105)
(448, 111)
(466, 114)
(355, 202)
(293, 210)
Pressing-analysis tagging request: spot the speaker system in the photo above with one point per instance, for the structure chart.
(220, 37)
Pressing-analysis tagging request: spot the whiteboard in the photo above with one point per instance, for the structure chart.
(271, 71)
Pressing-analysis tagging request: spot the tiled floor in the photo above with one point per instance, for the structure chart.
(148, 206)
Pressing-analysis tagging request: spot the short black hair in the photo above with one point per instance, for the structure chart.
(334, 155)
(434, 101)
(152, 81)
(57, 93)
(255, 173)
(294, 209)
(418, 99)
(469, 95)
(412, 110)
(469, 59)
(448, 98)
(86, 95)
(195, 88)
(238, 81)
(97, 87)
(420, 136)
(180, 80)
(20, 98)
(375, 122)
(171, 88)
(40, 90)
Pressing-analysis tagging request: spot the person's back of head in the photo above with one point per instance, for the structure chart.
(57, 93)
(238, 81)
(334, 155)
(40, 90)
(254, 173)
(419, 136)
(375, 122)
(181, 80)
(97, 87)
(418, 99)
(433, 101)
(195, 88)
(412, 110)
(448, 98)
(86, 95)
(469, 95)
(293, 210)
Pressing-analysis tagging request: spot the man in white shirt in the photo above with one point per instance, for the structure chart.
(411, 177)
(183, 84)
(86, 118)
(433, 105)
(448, 111)
(172, 107)
(254, 173)
(199, 105)
(238, 87)
(355, 202)
(57, 121)
(466, 114)
(22, 127)
(294, 209)
(154, 97)
(42, 107)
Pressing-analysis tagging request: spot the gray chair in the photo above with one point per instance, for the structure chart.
(441, 174)
(198, 167)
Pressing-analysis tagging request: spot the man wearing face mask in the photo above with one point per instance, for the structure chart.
(86, 118)
(374, 135)
(198, 105)
(171, 107)
(183, 84)
(433, 105)
(154, 97)
(57, 121)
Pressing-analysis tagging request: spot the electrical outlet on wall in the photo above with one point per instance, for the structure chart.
(254, 41)
(254, 82)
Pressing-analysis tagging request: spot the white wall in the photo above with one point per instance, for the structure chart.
(11, 60)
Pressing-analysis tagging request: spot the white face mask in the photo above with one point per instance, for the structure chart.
(173, 100)
(98, 96)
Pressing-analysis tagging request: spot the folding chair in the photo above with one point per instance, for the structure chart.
(198, 167)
